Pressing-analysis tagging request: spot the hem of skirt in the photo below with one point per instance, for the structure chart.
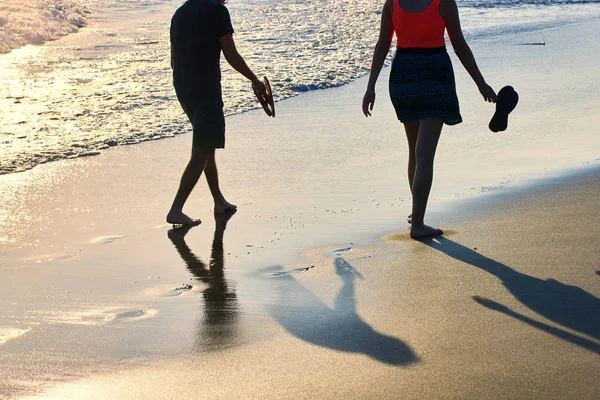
(447, 120)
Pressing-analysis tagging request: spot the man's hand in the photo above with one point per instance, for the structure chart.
(259, 88)
(260, 91)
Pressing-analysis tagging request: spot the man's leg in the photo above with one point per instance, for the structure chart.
(212, 178)
(428, 137)
(190, 176)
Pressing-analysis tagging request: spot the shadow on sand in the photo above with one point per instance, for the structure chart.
(569, 306)
(305, 316)
(218, 327)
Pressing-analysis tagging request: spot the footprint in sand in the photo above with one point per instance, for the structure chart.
(290, 272)
(184, 288)
(107, 239)
(340, 252)
(134, 315)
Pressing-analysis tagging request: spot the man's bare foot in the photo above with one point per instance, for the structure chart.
(424, 230)
(224, 206)
(179, 218)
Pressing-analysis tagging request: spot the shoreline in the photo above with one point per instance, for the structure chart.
(94, 289)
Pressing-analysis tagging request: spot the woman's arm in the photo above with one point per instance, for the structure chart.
(449, 12)
(381, 50)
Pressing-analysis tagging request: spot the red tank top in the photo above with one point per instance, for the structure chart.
(425, 29)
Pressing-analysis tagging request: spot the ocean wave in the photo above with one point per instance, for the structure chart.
(38, 21)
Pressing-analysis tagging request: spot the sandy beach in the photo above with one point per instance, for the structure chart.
(313, 288)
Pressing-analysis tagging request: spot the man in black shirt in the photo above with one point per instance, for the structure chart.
(200, 30)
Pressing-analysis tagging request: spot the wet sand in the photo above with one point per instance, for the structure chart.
(506, 305)
(298, 295)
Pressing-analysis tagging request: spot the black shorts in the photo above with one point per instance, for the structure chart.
(208, 122)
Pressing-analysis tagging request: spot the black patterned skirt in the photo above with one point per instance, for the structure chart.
(422, 85)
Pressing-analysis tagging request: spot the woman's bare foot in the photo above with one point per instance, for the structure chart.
(424, 230)
(224, 206)
(179, 218)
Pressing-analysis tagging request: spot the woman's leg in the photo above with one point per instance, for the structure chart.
(412, 132)
(427, 140)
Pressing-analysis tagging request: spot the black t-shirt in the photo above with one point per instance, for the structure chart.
(196, 28)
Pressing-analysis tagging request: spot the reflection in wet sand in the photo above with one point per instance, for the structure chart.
(218, 326)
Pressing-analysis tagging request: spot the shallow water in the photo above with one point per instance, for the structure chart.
(110, 83)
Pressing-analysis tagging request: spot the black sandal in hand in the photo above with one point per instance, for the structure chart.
(506, 102)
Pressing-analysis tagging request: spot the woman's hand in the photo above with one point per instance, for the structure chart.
(368, 102)
(487, 92)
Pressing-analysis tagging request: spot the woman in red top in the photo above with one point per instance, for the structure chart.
(422, 86)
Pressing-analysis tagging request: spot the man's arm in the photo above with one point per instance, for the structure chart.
(237, 61)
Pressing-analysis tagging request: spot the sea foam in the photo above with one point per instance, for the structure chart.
(38, 21)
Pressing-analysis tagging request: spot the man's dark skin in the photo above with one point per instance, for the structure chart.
(203, 159)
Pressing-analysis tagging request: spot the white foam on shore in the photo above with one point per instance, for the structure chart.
(7, 334)
(37, 21)
(107, 239)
